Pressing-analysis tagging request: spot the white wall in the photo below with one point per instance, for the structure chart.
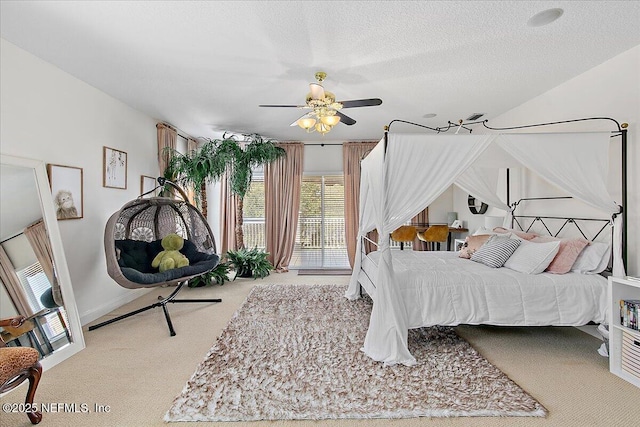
(612, 89)
(50, 115)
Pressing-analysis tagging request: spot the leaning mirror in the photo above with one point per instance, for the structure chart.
(33, 268)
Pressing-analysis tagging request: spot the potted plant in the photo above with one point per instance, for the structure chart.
(250, 263)
(218, 275)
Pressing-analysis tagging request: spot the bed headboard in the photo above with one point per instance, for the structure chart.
(592, 229)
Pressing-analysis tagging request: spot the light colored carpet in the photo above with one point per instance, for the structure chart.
(136, 368)
(293, 352)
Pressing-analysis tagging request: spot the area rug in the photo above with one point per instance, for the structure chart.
(292, 352)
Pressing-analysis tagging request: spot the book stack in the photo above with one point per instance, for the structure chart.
(629, 310)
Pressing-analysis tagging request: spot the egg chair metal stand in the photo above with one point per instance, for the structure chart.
(133, 237)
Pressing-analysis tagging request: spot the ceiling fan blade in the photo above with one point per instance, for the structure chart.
(317, 91)
(345, 119)
(285, 106)
(361, 103)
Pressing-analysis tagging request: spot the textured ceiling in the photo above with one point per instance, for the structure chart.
(205, 66)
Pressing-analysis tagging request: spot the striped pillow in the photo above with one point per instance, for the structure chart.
(496, 251)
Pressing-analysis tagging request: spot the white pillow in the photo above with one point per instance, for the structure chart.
(593, 259)
(532, 258)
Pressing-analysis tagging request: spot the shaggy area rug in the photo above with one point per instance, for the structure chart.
(293, 352)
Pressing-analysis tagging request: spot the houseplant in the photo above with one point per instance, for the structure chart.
(218, 275)
(250, 263)
(216, 157)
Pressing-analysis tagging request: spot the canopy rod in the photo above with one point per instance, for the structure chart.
(621, 131)
(450, 124)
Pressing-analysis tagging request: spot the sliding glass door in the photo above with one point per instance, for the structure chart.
(320, 239)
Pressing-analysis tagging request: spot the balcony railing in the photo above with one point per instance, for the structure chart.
(308, 235)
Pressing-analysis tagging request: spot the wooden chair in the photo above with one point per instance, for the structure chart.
(404, 233)
(434, 235)
(18, 364)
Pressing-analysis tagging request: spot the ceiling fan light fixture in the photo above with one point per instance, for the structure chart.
(306, 123)
(322, 128)
(330, 120)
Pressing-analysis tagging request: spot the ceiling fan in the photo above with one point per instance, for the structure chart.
(325, 111)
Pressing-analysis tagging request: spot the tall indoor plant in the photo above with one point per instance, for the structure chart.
(228, 155)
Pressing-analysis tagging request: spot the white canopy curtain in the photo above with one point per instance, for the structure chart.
(416, 169)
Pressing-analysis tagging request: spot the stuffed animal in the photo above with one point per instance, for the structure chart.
(170, 257)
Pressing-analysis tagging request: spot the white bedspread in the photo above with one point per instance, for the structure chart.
(439, 288)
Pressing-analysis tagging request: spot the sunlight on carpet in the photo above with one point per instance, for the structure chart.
(293, 352)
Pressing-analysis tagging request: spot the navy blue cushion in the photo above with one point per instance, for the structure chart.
(136, 257)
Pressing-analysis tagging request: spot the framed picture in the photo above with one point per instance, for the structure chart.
(148, 184)
(66, 188)
(114, 168)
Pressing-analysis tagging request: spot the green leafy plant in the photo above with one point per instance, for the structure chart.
(228, 155)
(218, 275)
(250, 263)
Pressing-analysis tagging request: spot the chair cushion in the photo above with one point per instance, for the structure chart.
(15, 359)
(136, 256)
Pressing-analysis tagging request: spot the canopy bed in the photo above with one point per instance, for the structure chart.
(411, 289)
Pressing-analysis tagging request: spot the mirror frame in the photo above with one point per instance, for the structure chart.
(59, 259)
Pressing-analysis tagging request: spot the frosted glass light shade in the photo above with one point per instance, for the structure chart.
(330, 120)
(306, 123)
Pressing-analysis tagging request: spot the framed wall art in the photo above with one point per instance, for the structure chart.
(148, 184)
(66, 188)
(114, 168)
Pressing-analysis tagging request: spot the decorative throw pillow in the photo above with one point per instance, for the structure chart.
(472, 244)
(593, 259)
(496, 251)
(532, 258)
(567, 255)
(519, 233)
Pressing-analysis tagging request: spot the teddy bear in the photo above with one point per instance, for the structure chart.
(170, 257)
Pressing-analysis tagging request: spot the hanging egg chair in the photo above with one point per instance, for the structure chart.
(133, 238)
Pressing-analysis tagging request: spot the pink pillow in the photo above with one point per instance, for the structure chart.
(567, 255)
(521, 234)
(472, 244)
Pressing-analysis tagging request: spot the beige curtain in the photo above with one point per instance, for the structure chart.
(421, 221)
(192, 145)
(13, 286)
(228, 217)
(352, 154)
(282, 186)
(167, 137)
(39, 239)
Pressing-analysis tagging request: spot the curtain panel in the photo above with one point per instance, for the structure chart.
(13, 286)
(352, 154)
(228, 217)
(192, 145)
(282, 183)
(167, 139)
(39, 240)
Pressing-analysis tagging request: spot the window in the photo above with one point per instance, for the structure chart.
(35, 283)
(320, 240)
(253, 212)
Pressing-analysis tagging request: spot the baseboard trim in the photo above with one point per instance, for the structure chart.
(97, 312)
